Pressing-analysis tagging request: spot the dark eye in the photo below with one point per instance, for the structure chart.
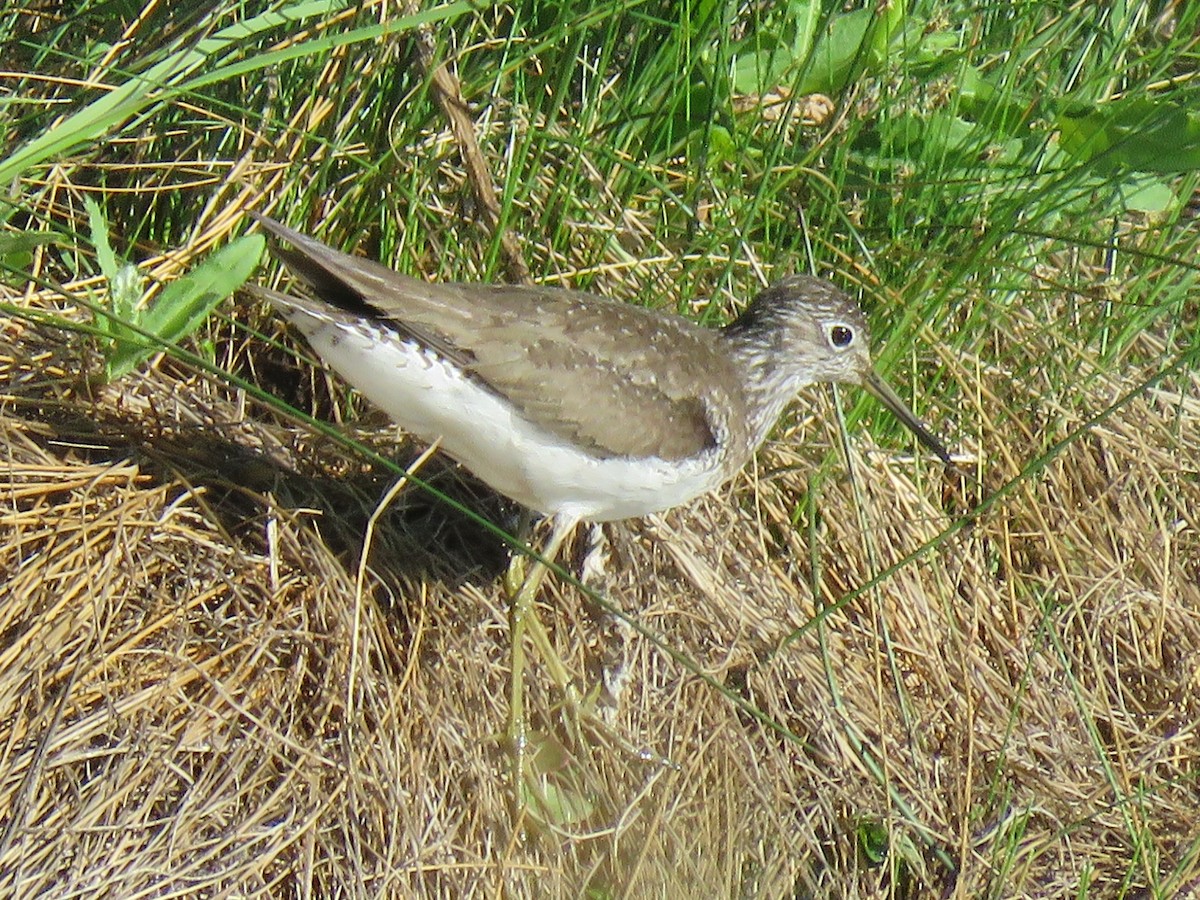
(841, 336)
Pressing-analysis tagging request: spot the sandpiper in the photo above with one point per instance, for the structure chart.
(576, 406)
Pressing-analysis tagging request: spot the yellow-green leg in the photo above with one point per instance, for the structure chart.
(522, 617)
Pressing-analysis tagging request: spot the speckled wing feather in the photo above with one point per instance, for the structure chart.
(583, 395)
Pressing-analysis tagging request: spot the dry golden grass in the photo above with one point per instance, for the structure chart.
(202, 698)
(204, 694)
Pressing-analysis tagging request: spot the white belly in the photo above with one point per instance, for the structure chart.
(432, 399)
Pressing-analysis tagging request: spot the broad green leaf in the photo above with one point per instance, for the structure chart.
(16, 248)
(873, 840)
(951, 139)
(805, 18)
(553, 789)
(852, 44)
(187, 302)
(1148, 194)
(1139, 134)
(996, 108)
(764, 57)
(761, 70)
(839, 53)
(889, 20)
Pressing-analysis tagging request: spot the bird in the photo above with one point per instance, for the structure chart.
(574, 405)
(578, 407)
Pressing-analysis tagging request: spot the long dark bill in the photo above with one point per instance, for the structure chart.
(883, 392)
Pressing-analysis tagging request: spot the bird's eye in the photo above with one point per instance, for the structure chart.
(841, 336)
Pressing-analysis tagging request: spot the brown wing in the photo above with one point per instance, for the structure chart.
(618, 379)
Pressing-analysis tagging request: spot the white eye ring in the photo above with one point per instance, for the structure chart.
(841, 336)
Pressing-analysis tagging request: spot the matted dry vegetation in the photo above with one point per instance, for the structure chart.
(205, 696)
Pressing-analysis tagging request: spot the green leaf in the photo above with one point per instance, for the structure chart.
(853, 44)
(187, 302)
(98, 225)
(873, 841)
(124, 284)
(839, 53)
(758, 72)
(16, 248)
(1148, 194)
(764, 57)
(804, 19)
(889, 21)
(1139, 134)
(554, 789)
(1000, 109)
(950, 139)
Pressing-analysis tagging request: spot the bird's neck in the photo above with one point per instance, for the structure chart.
(768, 386)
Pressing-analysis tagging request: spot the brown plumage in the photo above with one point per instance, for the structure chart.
(610, 410)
